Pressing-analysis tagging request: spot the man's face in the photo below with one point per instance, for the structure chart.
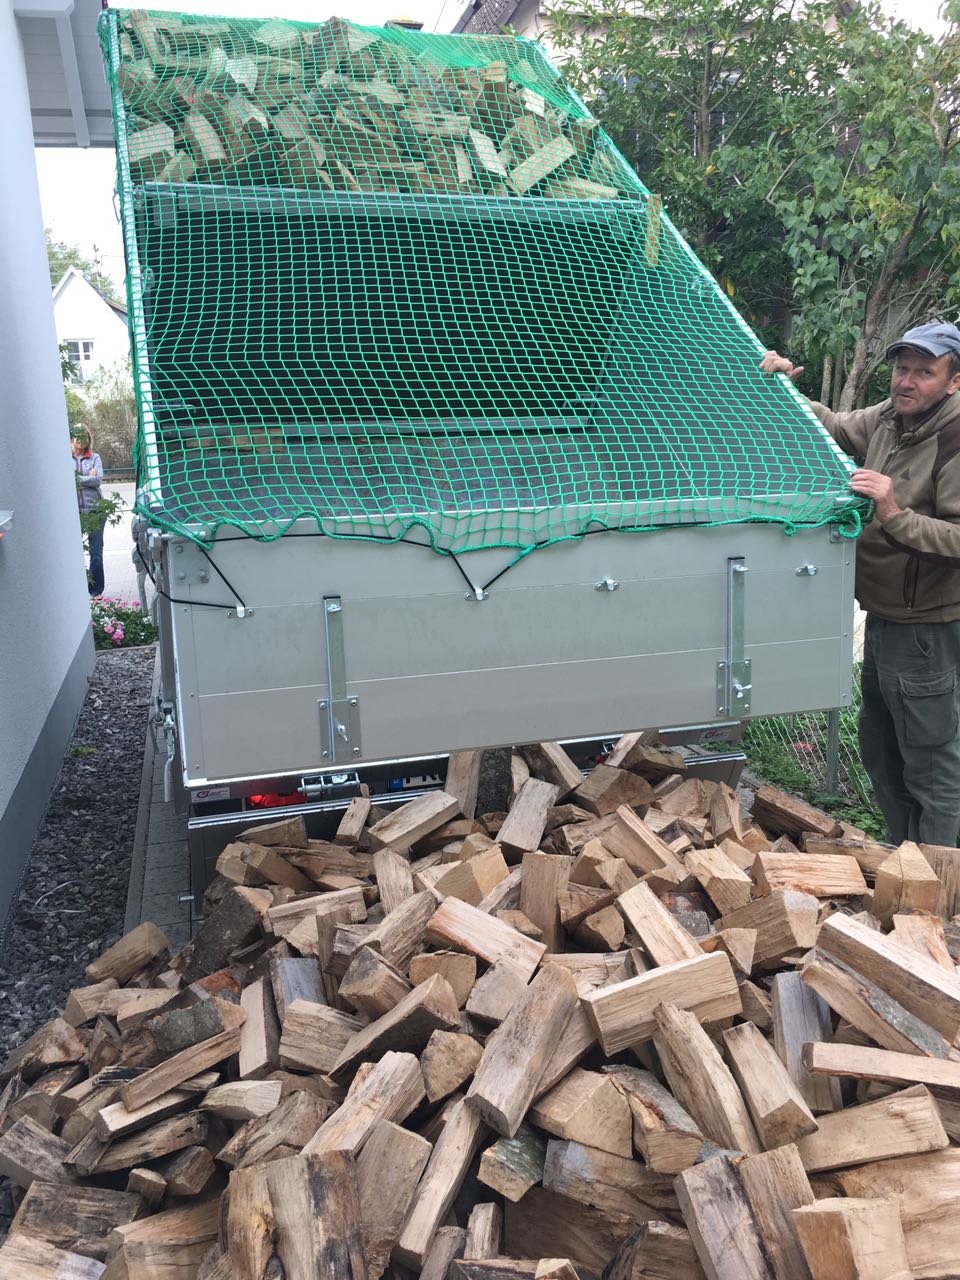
(919, 382)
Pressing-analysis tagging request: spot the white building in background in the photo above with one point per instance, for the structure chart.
(91, 330)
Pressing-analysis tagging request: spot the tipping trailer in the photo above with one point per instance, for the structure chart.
(446, 438)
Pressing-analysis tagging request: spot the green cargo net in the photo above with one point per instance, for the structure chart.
(404, 285)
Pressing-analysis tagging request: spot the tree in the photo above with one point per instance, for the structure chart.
(870, 210)
(108, 408)
(690, 93)
(61, 256)
(811, 160)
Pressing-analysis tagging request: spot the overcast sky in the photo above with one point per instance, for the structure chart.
(76, 186)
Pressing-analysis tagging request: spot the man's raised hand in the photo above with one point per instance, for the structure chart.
(773, 362)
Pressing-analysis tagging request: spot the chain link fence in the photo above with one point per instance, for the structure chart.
(816, 754)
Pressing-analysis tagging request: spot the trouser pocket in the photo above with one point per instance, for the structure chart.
(929, 706)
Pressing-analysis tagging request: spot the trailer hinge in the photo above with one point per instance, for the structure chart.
(733, 673)
(340, 712)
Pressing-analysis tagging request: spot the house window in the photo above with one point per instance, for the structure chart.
(79, 351)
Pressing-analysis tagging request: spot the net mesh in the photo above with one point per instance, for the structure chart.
(403, 284)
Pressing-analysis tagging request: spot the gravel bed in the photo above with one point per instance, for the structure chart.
(73, 893)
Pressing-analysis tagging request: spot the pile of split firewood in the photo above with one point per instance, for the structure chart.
(344, 108)
(622, 1030)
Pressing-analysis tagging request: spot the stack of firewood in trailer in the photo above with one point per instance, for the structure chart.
(338, 107)
(622, 1030)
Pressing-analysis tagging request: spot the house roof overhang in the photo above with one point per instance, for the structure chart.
(69, 97)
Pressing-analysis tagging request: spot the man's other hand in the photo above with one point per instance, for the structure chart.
(875, 485)
(773, 362)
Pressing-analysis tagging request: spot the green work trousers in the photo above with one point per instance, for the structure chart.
(910, 727)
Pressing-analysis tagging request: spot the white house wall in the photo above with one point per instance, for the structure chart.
(45, 639)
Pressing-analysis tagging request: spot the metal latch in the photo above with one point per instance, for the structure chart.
(164, 720)
(340, 713)
(734, 672)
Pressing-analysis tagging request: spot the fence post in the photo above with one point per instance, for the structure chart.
(832, 780)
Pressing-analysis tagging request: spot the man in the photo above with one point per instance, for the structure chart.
(908, 581)
(89, 469)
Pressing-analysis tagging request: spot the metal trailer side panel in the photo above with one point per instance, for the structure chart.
(609, 631)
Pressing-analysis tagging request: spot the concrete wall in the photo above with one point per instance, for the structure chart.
(45, 640)
(80, 314)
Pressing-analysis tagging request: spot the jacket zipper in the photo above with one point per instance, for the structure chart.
(911, 572)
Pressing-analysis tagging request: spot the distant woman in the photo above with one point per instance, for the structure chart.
(89, 478)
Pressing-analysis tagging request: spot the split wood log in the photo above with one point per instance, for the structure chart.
(511, 1166)
(800, 1017)
(462, 1134)
(457, 924)
(605, 789)
(459, 970)
(926, 1189)
(448, 1061)
(786, 921)
(701, 1082)
(260, 1033)
(924, 933)
(447, 1245)
(919, 984)
(523, 828)
(133, 952)
(665, 1135)
(905, 882)
(905, 1123)
(870, 1009)
(664, 940)
(371, 985)
(463, 779)
(628, 837)
(609, 1183)
(657, 1251)
(472, 880)
(623, 1014)
(785, 814)
(721, 1224)
(305, 1212)
(724, 882)
(394, 878)
(387, 1090)
(865, 1063)
(73, 1217)
(587, 1107)
(388, 1170)
(29, 1152)
(775, 1183)
(853, 1239)
(777, 1107)
(550, 763)
(412, 821)
(174, 1071)
(822, 876)
(514, 1060)
(484, 1232)
(543, 878)
(406, 1027)
(115, 1120)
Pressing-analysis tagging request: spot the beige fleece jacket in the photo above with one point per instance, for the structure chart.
(908, 570)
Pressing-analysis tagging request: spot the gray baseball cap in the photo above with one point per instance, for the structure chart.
(935, 339)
